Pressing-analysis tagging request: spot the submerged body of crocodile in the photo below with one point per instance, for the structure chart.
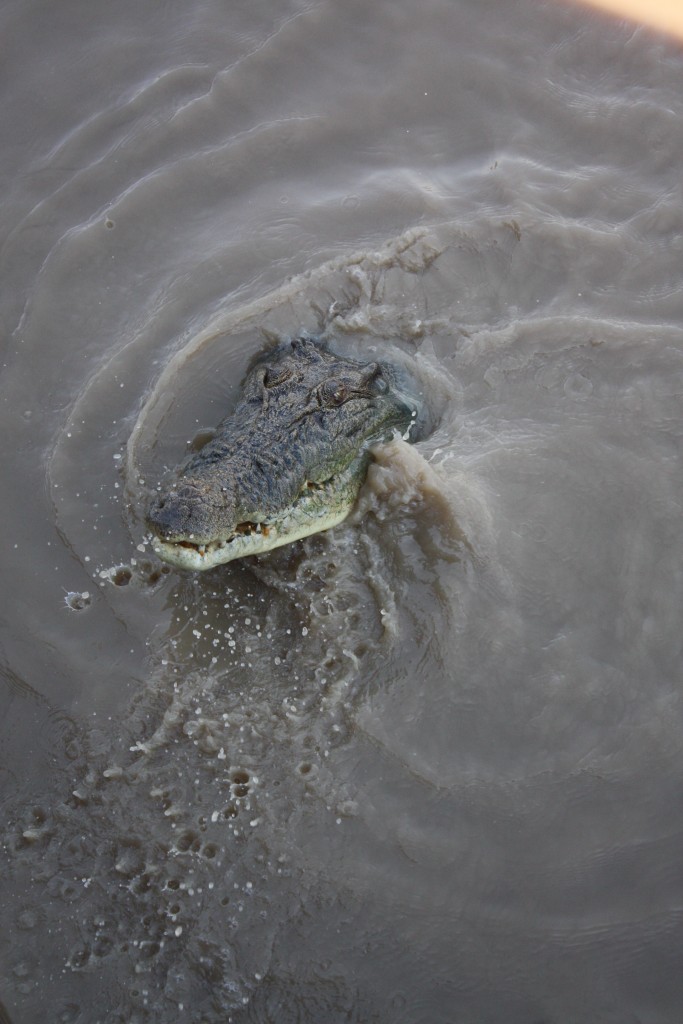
(288, 462)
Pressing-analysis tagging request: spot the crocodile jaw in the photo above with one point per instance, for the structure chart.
(319, 507)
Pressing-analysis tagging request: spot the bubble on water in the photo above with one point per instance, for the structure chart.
(77, 601)
(144, 573)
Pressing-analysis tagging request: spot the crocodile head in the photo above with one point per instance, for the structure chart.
(288, 462)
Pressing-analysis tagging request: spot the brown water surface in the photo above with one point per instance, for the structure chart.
(426, 768)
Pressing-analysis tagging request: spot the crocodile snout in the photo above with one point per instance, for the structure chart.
(181, 512)
(169, 516)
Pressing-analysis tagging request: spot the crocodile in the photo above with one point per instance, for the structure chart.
(287, 463)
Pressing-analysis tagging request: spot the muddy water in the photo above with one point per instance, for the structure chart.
(426, 767)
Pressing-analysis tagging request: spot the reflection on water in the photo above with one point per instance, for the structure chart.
(423, 767)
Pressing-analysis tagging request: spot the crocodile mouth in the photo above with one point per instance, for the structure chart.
(319, 507)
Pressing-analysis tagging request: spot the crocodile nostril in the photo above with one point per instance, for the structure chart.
(168, 516)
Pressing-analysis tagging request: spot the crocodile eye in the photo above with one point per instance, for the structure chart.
(374, 382)
(276, 375)
(377, 382)
(332, 393)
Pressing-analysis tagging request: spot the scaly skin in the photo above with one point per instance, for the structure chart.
(288, 462)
